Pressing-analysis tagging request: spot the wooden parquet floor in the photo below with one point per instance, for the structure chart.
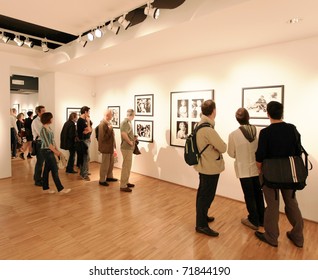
(154, 222)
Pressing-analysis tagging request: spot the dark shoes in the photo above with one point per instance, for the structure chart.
(290, 238)
(71, 172)
(22, 156)
(125, 189)
(210, 219)
(111, 180)
(103, 184)
(207, 231)
(130, 185)
(261, 236)
(29, 155)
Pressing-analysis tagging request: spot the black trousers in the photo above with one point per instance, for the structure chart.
(254, 200)
(205, 196)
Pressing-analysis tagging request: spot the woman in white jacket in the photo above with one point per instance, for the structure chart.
(242, 146)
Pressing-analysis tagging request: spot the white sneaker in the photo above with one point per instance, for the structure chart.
(246, 222)
(49, 191)
(65, 191)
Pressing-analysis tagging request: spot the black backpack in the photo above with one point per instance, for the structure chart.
(191, 152)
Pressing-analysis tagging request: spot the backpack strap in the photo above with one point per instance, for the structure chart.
(205, 124)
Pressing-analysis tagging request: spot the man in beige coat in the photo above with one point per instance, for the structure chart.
(210, 165)
(106, 146)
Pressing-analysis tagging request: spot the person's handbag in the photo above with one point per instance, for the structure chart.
(61, 161)
(136, 149)
(285, 173)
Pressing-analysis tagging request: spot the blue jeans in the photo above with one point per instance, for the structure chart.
(205, 196)
(86, 160)
(14, 142)
(39, 164)
(71, 159)
(50, 165)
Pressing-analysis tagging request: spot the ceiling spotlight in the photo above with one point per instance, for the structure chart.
(81, 41)
(124, 22)
(98, 32)
(4, 38)
(113, 28)
(90, 36)
(18, 41)
(29, 43)
(151, 11)
(44, 47)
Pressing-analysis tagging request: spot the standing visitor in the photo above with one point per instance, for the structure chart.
(242, 147)
(127, 147)
(36, 128)
(210, 165)
(106, 146)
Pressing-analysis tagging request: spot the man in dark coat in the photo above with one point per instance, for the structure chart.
(68, 138)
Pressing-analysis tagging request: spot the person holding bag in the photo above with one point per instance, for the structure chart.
(49, 151)
(279, 140)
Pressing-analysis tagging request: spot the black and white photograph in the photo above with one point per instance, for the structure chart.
(17, 107)
(183, 108)
(70, 110)
(144, 130)
(182, 132)
(144, 105)
(185, 111)
(115, 121)
(255, 99)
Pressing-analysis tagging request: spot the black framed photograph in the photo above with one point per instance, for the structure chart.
(115, 121)
(17, 107)
(255, 99)
(185, 110)
(144, 105)
(70, 110)
(144, 130)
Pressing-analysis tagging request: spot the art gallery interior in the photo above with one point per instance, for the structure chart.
(223, 46)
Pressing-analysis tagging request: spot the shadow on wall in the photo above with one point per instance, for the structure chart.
(166, 156)
(146, 160)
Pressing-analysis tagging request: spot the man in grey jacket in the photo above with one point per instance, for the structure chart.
(210, 165)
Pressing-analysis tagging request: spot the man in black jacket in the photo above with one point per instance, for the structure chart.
(68, 138)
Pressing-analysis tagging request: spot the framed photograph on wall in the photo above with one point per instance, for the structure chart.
(70, 110)
(255, 99)
(144, 130)
(17, 107)
(144, 105)
(185, 109)
(115, 116)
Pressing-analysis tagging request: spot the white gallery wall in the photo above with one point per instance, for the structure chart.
(292, 64)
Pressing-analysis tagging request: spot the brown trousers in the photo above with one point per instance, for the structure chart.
(292, 212)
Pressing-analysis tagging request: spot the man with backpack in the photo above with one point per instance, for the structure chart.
(279, 140)
(209, 167)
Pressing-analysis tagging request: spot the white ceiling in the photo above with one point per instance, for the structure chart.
(196, 28)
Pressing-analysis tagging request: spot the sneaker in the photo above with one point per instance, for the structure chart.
(49, 191)
(86, 178)
(65, 191)
(246, 222)
(125, 189)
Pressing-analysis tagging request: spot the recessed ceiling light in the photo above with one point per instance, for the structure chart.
(294, 20)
